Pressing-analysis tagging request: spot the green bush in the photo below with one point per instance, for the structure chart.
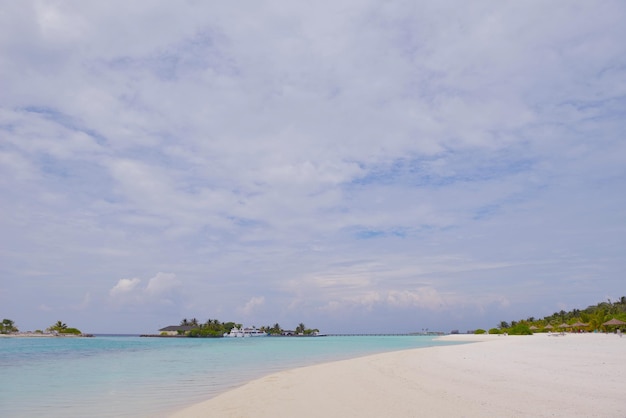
(495, 331)
(205, 333)
(72, 331)
(520, 329)
(479, 331)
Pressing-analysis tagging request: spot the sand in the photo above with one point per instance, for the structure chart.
(576, 375)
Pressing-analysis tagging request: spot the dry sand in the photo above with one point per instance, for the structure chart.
(576, 375)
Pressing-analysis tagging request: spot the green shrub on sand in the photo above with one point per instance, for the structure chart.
(520, 329)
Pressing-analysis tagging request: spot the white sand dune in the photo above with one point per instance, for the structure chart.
(576, 375)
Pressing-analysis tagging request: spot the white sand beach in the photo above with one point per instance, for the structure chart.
(576, 375)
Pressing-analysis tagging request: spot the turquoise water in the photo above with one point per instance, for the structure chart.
(150, 377)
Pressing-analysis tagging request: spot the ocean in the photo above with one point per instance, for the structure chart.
(131, 376)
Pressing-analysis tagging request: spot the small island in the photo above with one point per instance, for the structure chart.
(214, 328)
(58, 329)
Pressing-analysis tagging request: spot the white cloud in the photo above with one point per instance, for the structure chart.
(380, 157)
(162, 289)
(163, 283)
(124, 287)
(252, 305)
(425, 297)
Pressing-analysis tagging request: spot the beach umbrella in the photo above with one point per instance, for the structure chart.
(579, 324)
(548, 327)
(564, 325)
(614, 321)
(533, 328)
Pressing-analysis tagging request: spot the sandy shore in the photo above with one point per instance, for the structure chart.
(576, 375)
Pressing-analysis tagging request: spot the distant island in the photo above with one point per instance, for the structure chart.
(214, 328)
(58, 329)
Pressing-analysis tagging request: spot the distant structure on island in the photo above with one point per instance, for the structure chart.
(237, 331)
(214, 328)
(174, 330)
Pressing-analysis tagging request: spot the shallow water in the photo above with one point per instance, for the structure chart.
(127, 376)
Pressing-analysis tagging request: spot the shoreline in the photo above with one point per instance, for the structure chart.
(44, 335)
(505, 376)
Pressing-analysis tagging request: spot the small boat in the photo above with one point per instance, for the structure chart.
(244, 332)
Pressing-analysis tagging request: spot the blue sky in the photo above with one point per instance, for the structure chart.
(356, 166)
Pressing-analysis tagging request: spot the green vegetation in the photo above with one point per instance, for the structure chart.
(62, 328)
(213, 328)
(8, 326)
(272, 330)
(589, 319)
(301, 329)
(520, 329)
(480, 331)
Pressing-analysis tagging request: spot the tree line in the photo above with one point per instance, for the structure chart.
(8, 327)
(216, 328)
(593, 317)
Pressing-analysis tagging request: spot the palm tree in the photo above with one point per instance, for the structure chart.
(584, 317)
(597, 319)
(58, 327)
(193, 322)
(184, 322)
(7, 326)
(300, 328)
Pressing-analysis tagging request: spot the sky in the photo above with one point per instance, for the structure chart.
(356, 166)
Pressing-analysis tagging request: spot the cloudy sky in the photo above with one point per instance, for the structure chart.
(353, 165)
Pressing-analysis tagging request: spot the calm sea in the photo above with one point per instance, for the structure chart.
(127, 376)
